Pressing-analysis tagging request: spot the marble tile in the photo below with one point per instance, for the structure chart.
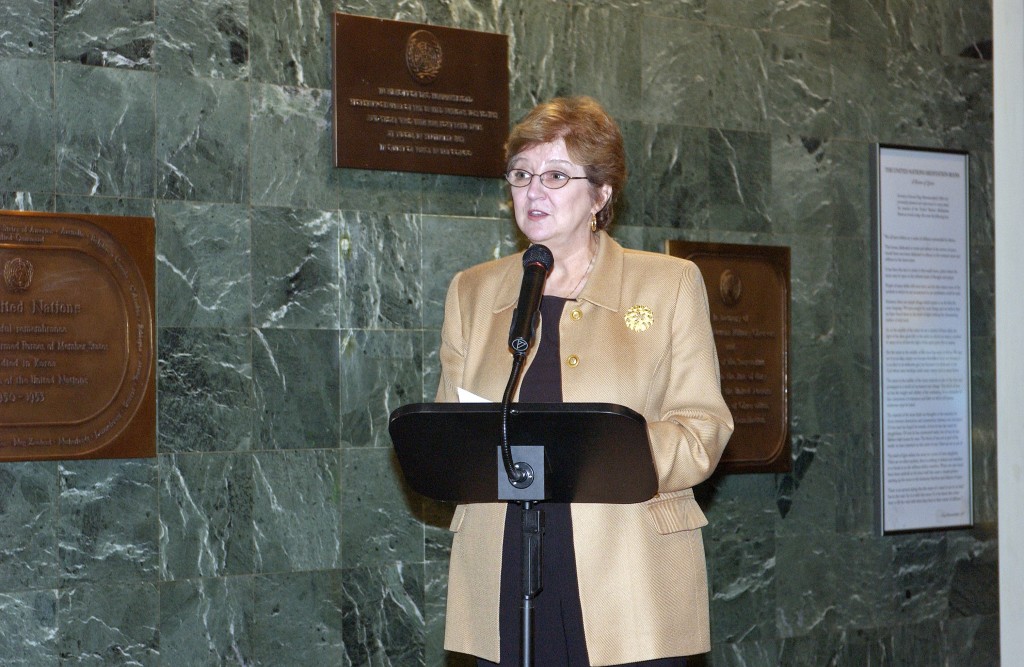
(946, 28)
(451, 244)
(921, 566)
(468, 14)
(539, 56)
(616, 72)
(289, 44)
(739, 179)
(109, 623)
(291, 149)
(296, 390)
(206, 517)
(850, 171)
(740, 546)
(807, 18)
(202, 139)
(28, 526)
(973, 642)
(464, 196)
(389, 192)
(856, 486)
(676, 78)
(296, 510)
(207, 39)
(28, 628)
(27, 150)
(861, 91)
(738, 64)
(831, 583)
(380, 371)
(982, 197)
(654, 238)
(26, 201)
(434, 602)
(379, 270)
(938, 102)
(117, 35)
(108, 526)
(203, 255)
(105, 149)
(831, 387)
(807, 495)
(295, 281)
(383, 615)
(629, 237)
(629, 205)
(437, 538)
(967, 114)
(377, 527)
(108, 205)
(984, 467)
(208, 621)
(743, 653)
(982, 291)
(801, 183)
(799, 86)
(298, 619)
(863, 21)
(694, 10)
(973, 591)
(206, 390)
(28, 29)
(674, 182)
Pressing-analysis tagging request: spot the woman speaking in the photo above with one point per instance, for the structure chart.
(623, 584)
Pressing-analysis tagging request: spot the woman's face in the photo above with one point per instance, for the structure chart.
(558, 218)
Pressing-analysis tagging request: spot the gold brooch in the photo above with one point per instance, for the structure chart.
(639, 318)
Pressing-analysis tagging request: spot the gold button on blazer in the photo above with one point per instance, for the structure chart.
(642, 339)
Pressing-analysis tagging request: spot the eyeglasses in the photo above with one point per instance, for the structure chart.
(553, 180)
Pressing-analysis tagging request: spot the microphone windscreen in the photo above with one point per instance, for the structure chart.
(539, 254)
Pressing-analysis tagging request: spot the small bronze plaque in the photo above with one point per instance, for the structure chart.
(748, 295)
(77, 361)
(414, 97)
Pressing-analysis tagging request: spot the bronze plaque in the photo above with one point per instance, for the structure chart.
(77, 361)
(748, 295)
(414, 97)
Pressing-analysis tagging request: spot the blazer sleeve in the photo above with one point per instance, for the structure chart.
(694, 422)
(452, 352)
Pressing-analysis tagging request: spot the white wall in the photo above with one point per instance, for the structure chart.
(1008, 19)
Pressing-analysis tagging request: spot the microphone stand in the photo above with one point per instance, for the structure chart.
(521, 476)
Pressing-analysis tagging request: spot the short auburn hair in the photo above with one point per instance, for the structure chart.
(591, 137)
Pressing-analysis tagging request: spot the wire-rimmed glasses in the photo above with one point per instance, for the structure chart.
(553, 180)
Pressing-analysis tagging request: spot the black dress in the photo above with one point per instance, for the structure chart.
(558, 638)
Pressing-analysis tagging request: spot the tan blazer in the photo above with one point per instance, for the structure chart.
(642, 575)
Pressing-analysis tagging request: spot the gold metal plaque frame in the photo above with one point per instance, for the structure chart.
(748, 296)
(77, 341)
(420, 98)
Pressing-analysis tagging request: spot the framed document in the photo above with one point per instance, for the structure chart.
(923, 338)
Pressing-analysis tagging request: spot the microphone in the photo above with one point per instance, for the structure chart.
(537, 262)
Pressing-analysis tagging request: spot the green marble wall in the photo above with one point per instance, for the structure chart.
(298, 304)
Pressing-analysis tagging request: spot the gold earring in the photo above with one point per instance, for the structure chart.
(593, 222)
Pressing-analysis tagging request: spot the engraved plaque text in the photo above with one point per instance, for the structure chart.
(748, 296)
(77, 359)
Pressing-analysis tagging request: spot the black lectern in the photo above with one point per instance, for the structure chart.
(589, 453)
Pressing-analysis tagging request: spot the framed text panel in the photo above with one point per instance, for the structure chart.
(923, 338)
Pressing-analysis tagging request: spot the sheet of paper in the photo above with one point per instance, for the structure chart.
(470, 397)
